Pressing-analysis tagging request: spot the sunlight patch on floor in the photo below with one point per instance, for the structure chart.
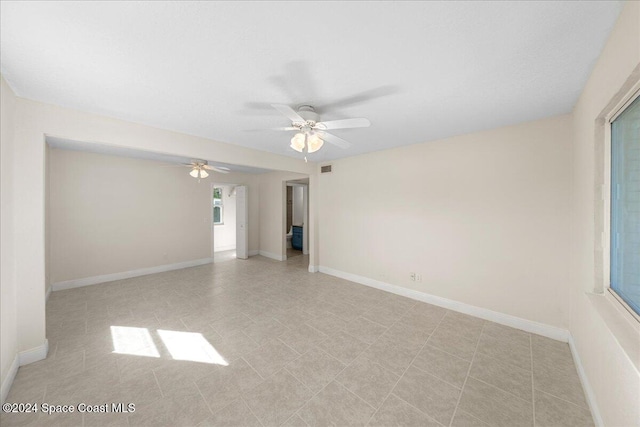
(133, 341)
(190, 346)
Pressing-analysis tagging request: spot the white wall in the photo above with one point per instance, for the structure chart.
(612, 373)
(112, 214)
(224, 235)
(484, 218)
(8, 313)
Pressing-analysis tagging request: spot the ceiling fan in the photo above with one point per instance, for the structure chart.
(311, 131)
(199, 168)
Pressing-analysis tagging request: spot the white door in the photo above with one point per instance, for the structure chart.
(242, 222)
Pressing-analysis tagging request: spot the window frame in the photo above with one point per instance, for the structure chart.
(616, 111)
(214, 206)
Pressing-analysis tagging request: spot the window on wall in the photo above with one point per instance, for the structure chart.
(625, 205)
(218, 206)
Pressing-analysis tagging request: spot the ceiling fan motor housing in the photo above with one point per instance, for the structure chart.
(308, 113)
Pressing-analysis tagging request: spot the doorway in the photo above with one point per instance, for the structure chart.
(228, 222)
(296, 218)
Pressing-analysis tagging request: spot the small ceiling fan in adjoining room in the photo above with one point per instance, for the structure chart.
(199, 168)
(311, 131)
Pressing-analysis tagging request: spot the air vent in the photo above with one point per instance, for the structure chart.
(325, 169)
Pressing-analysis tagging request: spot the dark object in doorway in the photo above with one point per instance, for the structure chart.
(296, 238)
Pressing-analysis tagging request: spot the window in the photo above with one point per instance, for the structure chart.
(625, 205)
(218, 207)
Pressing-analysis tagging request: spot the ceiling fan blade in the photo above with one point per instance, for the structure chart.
(344, 124)
(220, 169)
(289, 112)
(335, 140)
(278, 129)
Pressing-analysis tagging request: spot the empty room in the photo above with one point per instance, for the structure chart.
(320, 213)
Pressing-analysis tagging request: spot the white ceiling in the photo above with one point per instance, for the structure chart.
(429, 69)
(112, 150)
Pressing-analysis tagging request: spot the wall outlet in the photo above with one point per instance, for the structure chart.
(412, 276)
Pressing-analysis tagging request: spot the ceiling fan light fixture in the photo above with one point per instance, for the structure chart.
(314, 143)
(298, 141)
(198, 172)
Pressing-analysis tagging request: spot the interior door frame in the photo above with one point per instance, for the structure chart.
(305, 215)
(215, 184)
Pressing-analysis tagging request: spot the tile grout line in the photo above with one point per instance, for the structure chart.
(498, 388)
(409, 365)
(504, 362)
(289, 347)
(201, 395)
(414, 407)
(250, 410)
(455, 410)
(295, 414)
(158, 383)
(438, 378)
(355, 395)
(251, 366)
(446, 352)
(565, 400)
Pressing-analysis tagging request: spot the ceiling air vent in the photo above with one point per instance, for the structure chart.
(325, 169)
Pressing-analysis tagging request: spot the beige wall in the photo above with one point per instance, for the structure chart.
(8, 313)
(112, 214)
(613, 376)
(483, 218)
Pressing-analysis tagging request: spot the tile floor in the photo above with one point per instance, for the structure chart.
(264, 343)
(224, 255)
(293, 252)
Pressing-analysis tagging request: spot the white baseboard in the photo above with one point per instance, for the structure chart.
(46, 296)
(8, 381)
(86, 281)
(483, 313)
(254, 252)
(313, 268)
(272, 256)
(22, 358)
(34, 354)
(224, 248)
(588, 391)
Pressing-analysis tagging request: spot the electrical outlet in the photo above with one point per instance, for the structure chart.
(412, 276)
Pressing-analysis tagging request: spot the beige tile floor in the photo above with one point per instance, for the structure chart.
(293, 252)
(262, 343)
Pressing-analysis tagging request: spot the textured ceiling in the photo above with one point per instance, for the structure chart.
(418, 70)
